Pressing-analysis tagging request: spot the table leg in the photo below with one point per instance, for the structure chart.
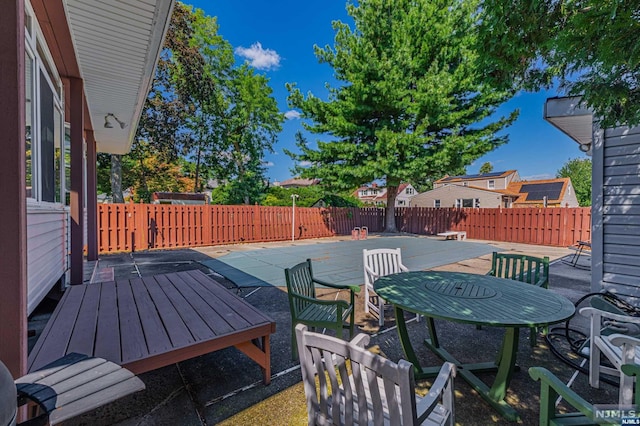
(503, 368)
(507, 364)
(409, 353)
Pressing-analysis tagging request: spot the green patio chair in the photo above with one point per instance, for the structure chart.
(551, 387)
(527, 269)
(307, 309)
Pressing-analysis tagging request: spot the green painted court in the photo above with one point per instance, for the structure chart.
(339, 262)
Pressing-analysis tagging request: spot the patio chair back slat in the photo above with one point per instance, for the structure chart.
(307, 309)
(379, 263)
(526, 269)
(377, 392)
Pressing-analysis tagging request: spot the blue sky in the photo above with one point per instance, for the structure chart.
(277, 37)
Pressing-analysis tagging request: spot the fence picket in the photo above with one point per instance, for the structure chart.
(127, 227)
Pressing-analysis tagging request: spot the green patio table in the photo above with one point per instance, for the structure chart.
(472, 299)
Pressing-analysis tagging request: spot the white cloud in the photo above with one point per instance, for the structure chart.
(539, 177)
(304, 163)
(290, 115)
(268, 163)
(262, 59)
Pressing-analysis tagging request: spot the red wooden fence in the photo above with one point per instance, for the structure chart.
(130, 227)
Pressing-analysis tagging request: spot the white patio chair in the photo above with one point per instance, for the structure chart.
(378, 391)
(617, 348)
(379, 263)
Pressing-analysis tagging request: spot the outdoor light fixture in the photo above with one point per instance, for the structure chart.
(585, 147)
(108, 125)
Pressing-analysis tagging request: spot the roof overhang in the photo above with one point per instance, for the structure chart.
(572, 118)
(117, 46)
(113, 46)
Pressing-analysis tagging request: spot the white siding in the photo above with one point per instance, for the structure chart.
(47, 248)
(620, 212)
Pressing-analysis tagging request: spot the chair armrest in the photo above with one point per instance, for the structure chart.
(315, 301)
(441, 384)
(590, 312)
(491, 272)
(542, 282)
(353, 288)
(555, 387)
(373, 274)
(361, 340)
(623, 339)
(403, 268)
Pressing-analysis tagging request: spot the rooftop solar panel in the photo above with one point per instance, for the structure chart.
(484, 175)
(537, 191)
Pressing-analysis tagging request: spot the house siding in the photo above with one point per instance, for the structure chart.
(617, 213)
(47, 248)
(448, 195)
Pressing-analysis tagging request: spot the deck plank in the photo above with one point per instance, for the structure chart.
(225, 298)
(82, 338)
(58, 334)
(155, 333)
(216, 322)
(148, 323)
(196, 325)
(178, 333)
(107, 339)
(132, 337)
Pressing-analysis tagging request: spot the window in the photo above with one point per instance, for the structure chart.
(436, 203)
(409, 190)
(491, 184)
(401, 203)
(44, 119)
(468, 202)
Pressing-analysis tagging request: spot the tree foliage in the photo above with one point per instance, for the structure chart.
(412, 104)
(204, 114)
(579, 170)
(591, 46)
(308, 196)
(486, 168)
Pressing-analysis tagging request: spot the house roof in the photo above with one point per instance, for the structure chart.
(534, 191)
(299, 182)
(453, 179)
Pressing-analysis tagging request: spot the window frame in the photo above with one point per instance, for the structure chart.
(43, 72)
(437, 203)
(491, 184)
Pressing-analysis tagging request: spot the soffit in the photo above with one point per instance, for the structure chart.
(117, 44)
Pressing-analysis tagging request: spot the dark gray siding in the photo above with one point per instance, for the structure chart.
(621, 211)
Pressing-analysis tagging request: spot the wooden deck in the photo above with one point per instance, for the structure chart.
(148, 323)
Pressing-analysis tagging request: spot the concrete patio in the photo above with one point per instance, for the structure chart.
(225, 387)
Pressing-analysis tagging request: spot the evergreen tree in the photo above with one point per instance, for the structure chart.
(412, 105)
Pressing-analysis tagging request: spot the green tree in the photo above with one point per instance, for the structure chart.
(579, 170)
(591, 47)
(412, 105)
(486, 168)
(307, 197)
(203, 108)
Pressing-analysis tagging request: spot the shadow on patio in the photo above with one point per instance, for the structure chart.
(226, 387)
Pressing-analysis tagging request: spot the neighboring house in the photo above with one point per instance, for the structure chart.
(615, 207)
(297, 183)
(179, 198)
(557, 192)
(75, 76)
(534, 193)
(493, 180)
(458, 196)
(377, 196)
